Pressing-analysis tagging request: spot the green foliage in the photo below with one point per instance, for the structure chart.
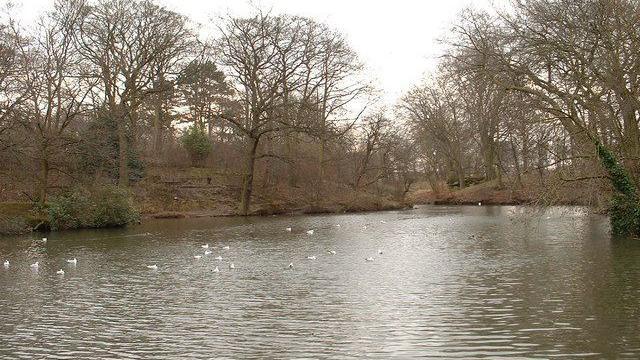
(69, 211)
(197, 144)
(136, 165)
(113, 207)
(98, 149)
(625, 208)
(107, 206)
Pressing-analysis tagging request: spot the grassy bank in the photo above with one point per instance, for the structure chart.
(531, 192)
(16, 218)
(180, 193)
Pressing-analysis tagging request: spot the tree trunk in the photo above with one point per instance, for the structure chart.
(291, 165)
(461, 181)
(625, 207)
(516, 163)
(247, 183)
(320, 180)
(123, 166)
(44, 177)
(158, 123)
(488, 155)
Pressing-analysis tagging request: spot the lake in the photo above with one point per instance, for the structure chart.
(451, 282)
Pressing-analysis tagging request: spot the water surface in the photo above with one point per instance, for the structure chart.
(451, 282)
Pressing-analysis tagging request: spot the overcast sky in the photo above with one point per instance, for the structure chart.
(396, 39)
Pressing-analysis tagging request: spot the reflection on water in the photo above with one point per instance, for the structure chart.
(452, 282)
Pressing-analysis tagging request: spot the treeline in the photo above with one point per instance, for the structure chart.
(102, 91)
(544, 94)
(545, 89)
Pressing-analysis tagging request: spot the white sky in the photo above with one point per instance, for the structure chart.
(396, 39)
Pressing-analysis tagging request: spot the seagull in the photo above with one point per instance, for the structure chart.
(231, 266)
(310, 232)
(338, 225)
(226, 247)
(60, 272)
(332, 252)
(219, 258)
(35, 265)
(291, 266)
(44, 240)
(72, 261)
(216, 269)
(479, 203)
(311, 257)
(152, 267)
(364, 227)
(379, 251)
(369, 259)
(288, 229)
(205, 246)
(197, 256)
(382, 222)
(207, 252)
(6, 263)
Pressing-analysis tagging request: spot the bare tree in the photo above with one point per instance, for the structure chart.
(435, 112)
(13, 89)
(56, 90)
(126, 42)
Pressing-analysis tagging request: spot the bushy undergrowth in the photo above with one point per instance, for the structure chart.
(106, 206)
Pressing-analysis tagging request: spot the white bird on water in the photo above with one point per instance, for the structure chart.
(152, 267)
(332, 252)
(207, 252)
(216, 269)
(369, 259)
(226, 247)
(311, 257)
(35, 265)
(6, 263)
(231, 266)
(60, 272)
(379, 251)
(291, 266)
(197, 256)
(338, 225)
(219, 258)
(288, 229)
(310, 232)
(479, 203)
(73, 261)
(44, 240)
(205, 246)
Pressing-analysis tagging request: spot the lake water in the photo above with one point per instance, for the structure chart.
(451, 282)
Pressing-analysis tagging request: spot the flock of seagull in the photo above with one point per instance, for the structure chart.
(74, 261)
(206, 252)
(36, 264)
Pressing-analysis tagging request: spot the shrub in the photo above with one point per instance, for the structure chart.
(197, 144)
(107, 206)
(70, 211)
(113, 207)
